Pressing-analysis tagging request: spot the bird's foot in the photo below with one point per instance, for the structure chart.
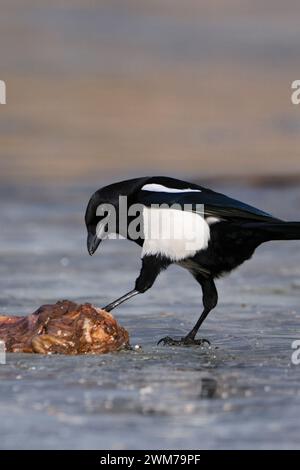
(185, 341)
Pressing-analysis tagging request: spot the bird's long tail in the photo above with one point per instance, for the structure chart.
(277, 230)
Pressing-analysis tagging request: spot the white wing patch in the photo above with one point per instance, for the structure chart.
(212, 220)
(159, 188)
(174, 233)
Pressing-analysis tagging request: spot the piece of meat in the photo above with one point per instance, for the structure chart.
(64, 328)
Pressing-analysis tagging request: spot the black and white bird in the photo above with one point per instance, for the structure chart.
(208, 243)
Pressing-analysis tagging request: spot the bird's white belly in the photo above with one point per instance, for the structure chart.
(174, 233)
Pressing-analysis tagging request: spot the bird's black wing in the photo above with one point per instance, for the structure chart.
(155, 192)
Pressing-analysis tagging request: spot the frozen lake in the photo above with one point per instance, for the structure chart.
(243, 392)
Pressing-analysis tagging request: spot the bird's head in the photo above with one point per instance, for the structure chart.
(100, 219)
(107, 211)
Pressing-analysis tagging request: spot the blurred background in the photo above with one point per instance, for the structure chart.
(113, 88)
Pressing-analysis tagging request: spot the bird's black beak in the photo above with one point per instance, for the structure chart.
(92, 243)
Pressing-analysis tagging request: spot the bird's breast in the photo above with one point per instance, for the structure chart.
(175, 234)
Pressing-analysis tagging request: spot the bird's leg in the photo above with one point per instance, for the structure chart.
(120, 300)
(151, 267)
(210, 299)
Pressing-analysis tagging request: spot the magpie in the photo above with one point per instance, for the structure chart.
(220, 233)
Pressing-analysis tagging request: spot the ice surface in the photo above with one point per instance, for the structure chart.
(242, 393)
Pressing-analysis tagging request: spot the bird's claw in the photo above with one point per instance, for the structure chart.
(185, 341)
